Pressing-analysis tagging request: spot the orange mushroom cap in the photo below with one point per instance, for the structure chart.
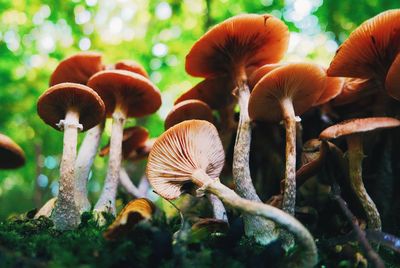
(77, 69)
(133, 138)
(11, 155)
(187, 110)
(54, 103)
(358, 125)
(249, 40)
(126, 89)
(132, 66)
(333, 87)
(354, 89)
(370, 49)
(303, 83)
(392, 83)
(261, 72)
(182, 149)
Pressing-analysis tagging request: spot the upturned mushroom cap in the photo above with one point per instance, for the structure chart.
(392, 83)
(358, 125)
(54, 103)
(181, 150)
(131, 91)
(11, 155)
(370, 49)
(132, 139)
(249, 40)
(187, 110)
(132, 66)
(216, 92)
(261, 72)
(303, 83)
(77, 69)
(354, 89)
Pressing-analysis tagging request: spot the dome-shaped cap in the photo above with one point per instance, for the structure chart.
(54, 103)
(303, 83)
(261, 72)
(130, 90)
(370, 49)
(11, 155)
(354, 89)
(216, 92)
(77, 69)
(181, 150)
(187, 110)
(392, 83)
(358, 125)
(249, 39)
(132, 66)
(333, 87)
(132, 139)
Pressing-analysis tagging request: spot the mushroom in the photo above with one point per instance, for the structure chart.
(287, 91)
(228, 49)
(69, 107)
(190, 156)
(370, 50)
(196, 109)
(354, 89)
(126, 94)
(78, 68)
(11, 155)
(132, 66)
(392, 82)
(353, 129)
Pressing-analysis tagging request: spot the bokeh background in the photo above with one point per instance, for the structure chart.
(35, 35)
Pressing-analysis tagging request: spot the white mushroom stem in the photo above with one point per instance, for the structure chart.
(144, 185)
(355, 155)
(106, 202)
(84, 161)
(261, 230)
(128, 185)
(306, 252)
(289, 192)
(66, 214)
(219, 211)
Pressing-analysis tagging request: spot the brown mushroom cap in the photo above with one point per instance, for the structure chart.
(11, 155)
(77, 69)
(392, 83)
(132, 139)
(261, 72)
(132, 66)
(181, 150)
(216, 92)
(333, 87)
(54, 103)
(131, 91)
(187, 110)
(141, 152)
(354, 89)
(303, 83)
(370, 49)
(358, 125)
(249, 39)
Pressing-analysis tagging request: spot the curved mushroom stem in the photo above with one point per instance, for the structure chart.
(66, 214)
(306, 252)
(84, 161)
(106, 202)
(128, 184)
(289, 194)
(261, 230)
(218, 208)
(356, 155)
(144, 185)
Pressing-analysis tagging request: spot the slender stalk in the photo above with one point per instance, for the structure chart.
(128, 184)
(219, 210)
(289, 194)
(144, 185)
(84, 161)
(66, 214)
(261, 230)
(356, 155)
(106, 202)
(306, 252)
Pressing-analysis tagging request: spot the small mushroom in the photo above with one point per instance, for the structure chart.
(46, 209)
(353, 131)
(69, 107)
(11, 155)
(287, 91)
(354, 89)
(132, 66)
(190, 156)
(126, 94)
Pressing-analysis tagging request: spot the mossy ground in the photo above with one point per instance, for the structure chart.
(26, 242)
